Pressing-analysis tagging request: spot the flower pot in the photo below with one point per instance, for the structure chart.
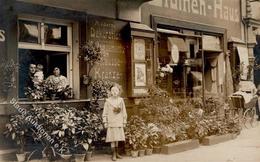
(148, 151)
(134, 153)
(21, 157)
(157, 150)
(88, 156)
(31, 98)
(79, 157)
(65, 156)
(53, 96)
(128, 152)
(141, 153)
(44, 98)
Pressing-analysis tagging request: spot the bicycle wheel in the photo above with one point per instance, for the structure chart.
(247, 117)
(254, 122)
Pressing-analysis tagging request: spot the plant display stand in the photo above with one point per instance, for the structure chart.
(180, 146)
(212, 140)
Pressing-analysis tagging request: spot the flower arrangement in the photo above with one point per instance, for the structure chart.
(136, 137)
(37, 92)
(91, 53)
(183, 119)
(7, 71)
(165, 70)
(154, 135)
(101, 88)
(74, 129)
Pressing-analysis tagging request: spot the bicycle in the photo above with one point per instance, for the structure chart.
(249, 116)
(245, 111)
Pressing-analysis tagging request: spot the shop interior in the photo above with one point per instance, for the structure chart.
(197, 61)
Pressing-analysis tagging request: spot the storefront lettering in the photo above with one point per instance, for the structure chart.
(104, 30)
(103, 34)
(210, 8)
(110, 75)
(2, 35)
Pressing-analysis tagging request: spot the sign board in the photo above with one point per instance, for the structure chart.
(107, 32)
(220, 13)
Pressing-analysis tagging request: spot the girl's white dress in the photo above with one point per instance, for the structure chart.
(115, 116)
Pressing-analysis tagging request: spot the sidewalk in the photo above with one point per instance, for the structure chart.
(245, 148)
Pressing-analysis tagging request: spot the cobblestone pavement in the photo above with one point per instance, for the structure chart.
(245, 148)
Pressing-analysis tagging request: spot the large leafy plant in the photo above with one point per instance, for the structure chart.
(18, 129)
(136, 136)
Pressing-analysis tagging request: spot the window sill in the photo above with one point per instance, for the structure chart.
(53, 101)
(26, 102)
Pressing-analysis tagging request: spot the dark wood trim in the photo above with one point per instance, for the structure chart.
(158, 20)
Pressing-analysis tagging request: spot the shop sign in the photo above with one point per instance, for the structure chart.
(219, 9)
(107, 32)
(2, 35)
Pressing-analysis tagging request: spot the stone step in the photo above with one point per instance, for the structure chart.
(180, 146)
(212, 140)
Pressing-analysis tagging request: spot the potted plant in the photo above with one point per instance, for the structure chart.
(64, 127)
(79, 152)
(37, 92)
(91, 53)
(52, 90)
(91, 128)
(135, 135)
(8, 77)
(153, 139)
(18, 129)
(89, 150)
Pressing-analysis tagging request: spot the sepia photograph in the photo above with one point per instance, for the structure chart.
(130, 80)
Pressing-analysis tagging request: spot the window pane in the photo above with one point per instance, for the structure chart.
(55, 34)
(28, 31)
(48, 59)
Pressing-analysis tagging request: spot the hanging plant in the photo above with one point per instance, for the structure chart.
(8, 79)
(91, 53)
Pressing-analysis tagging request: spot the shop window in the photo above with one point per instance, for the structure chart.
(186, 78)
(55, 34)
(45, 43)
(29, 31)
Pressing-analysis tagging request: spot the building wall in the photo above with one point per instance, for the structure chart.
(255, 6)
(123, 9)
(219, 13)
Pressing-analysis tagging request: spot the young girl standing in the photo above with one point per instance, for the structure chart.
(114, 119)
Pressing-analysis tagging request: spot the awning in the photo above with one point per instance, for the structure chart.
(179, 42)
(197, 75)
(244, 62)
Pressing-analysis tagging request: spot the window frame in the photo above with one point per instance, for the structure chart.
(69, 49)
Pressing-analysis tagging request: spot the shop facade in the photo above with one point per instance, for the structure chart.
(52, 34)
(197, 34)
(136, 37)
